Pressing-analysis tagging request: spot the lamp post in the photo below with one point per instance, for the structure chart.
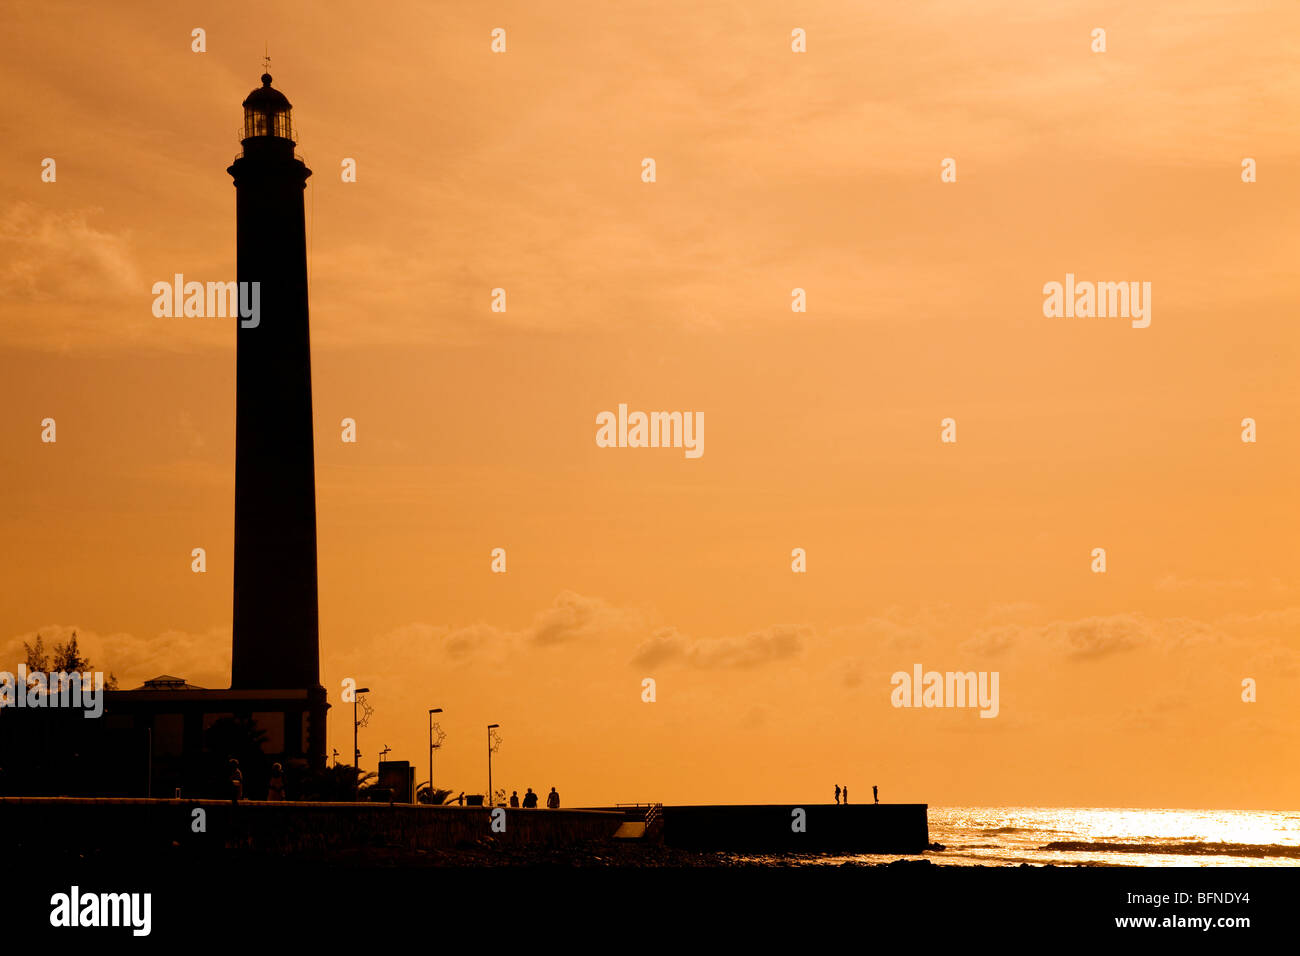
(491, 727)
(432, 711)
(356, 750)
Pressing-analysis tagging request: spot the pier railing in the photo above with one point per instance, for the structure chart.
(654, 821)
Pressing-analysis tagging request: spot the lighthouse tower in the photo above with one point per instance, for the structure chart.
(275, 627)
(164, 735)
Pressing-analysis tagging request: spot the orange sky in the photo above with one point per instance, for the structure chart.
(476, 429)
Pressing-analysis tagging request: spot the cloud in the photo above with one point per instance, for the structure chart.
(572, 617)
(463, 642)
(732, 653)
(49, 256)
(1281, 623)
(663, 646)
(1091, 638)
(993, 641)
(1096, 637)
(457, 643)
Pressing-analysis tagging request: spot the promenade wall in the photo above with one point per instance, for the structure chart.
(63, 822)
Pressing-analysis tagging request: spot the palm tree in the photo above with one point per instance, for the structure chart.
(337, 784)
(439, 795)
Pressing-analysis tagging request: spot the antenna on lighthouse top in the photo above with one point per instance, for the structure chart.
(266, 60)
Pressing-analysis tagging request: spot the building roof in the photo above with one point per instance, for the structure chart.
(267, 99)
(167, 682)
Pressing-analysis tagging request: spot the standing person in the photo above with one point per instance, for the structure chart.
(837, 794)
(846, 795)
(875, 793)
(552, 800)
(530, 799)
(236, 781)
(275, 789)
(514, 799)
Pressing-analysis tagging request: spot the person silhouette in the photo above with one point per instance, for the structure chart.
(837, 794)
(846, 795)
(875, 793)
(530, 800)
(514, 799)
(552, 800)
(275, 789)
(236, 781)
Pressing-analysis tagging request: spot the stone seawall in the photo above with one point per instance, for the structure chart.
(59, 822)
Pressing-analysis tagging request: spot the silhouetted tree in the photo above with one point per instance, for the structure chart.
(67, 657)
(38, 658)
(439, 795)
(338, 783)
(65, 660)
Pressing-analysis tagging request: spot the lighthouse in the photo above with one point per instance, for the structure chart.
(169, 735)
(275, 655)
(275, 623)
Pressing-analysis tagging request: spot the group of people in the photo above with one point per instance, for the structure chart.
(274, 786)
(844, 791)
(530, 800)
(275, 789)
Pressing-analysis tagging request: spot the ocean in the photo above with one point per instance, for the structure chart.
(1076, 836)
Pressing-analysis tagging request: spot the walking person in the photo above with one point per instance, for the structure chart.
(837, 794)
(530, 800)
(875, 793)
(553, 800)
(846, 795)
(514, 799)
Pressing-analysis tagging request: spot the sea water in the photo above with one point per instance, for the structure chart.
(1010, 836)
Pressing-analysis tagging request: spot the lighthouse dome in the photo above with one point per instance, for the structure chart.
(266, 112)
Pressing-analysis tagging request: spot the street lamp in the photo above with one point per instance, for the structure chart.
(432, 711)
(492, 745)
(356, 750)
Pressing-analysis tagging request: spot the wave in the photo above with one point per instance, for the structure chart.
(1184, 849)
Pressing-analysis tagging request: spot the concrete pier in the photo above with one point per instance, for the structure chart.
(861, 828)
